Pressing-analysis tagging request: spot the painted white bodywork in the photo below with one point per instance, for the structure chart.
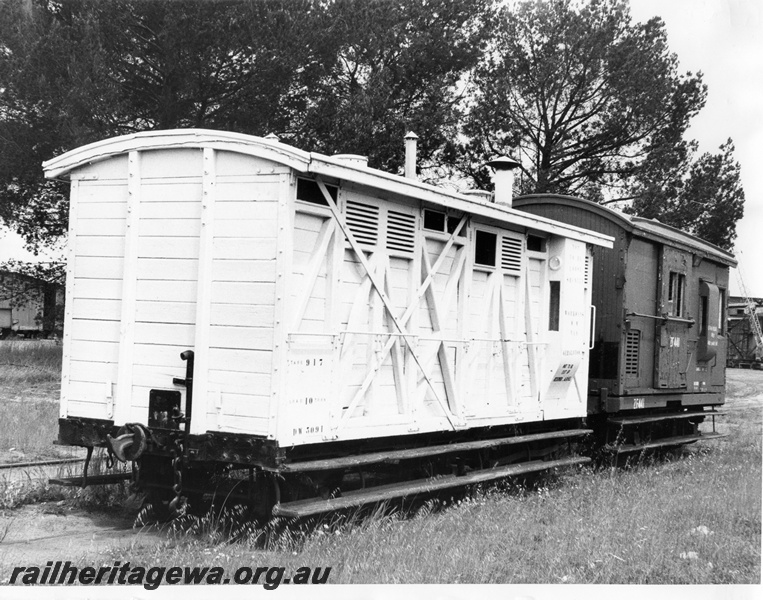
(306, 328)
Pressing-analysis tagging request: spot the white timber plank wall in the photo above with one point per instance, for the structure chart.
(283, 266)
(166, 282)
(66, 359)
(190, 265)
(205, 395)
(120, 413)
(480, 351)
(243, 290)
(94, 288)
(463, 383)
(181, 249)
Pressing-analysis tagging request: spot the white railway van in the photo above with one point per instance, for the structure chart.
(323, 308)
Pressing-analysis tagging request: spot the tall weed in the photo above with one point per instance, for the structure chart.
(29, 362)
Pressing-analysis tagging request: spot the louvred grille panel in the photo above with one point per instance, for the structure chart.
(511, 254)
(401, 232)
(363, 221)
(632, 345)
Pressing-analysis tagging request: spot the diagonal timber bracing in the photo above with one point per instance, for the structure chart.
(399, 323)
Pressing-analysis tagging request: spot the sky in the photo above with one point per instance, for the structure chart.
(723, 40)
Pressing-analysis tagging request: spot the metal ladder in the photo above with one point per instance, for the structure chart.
(749, 309)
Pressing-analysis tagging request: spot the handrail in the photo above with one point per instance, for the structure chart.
(689, 322)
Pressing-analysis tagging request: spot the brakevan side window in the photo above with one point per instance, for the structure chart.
(676, 286)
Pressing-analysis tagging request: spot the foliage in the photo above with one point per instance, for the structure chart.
(38, 119)
(339, 76)
(579, 92)
(590, 102)
(390, 67)
(104, 69)
(220, 65)
(705, 199)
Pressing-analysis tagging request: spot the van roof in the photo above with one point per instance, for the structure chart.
(313, 164)
(646, 228)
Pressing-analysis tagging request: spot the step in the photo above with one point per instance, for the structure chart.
(639, 419)
(346, 462)
(673, 441)
(304, 508)
(105, 479)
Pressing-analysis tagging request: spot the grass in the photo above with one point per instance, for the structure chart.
(690, 518)
(695, 519)
(27, 431)
(30, 375)
(29, 363)
(690, 521)
(31, 486)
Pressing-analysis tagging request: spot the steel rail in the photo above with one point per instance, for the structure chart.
(41, 463)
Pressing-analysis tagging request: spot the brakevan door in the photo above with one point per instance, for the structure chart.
(673, 328)
(641, 295)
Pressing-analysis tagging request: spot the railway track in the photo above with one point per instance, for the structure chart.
(105, 535)
(62, 471)
(38, 470)
(37, 532)
(40, 463)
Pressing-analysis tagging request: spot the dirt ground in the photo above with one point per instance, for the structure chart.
(744, 397)
(37, 533)
(744, 387)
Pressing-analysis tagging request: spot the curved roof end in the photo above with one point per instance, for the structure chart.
(175, 138)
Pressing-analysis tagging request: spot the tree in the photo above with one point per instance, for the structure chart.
(590, 102)
(228, 65)
(707, 199)
(42, 54)
(333, 76)
(82, 70)
(391, 67)
(578, 93)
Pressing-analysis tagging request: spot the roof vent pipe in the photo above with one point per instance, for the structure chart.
(503, 179)
(410, 155)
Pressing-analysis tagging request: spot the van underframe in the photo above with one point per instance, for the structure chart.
(306, 480)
